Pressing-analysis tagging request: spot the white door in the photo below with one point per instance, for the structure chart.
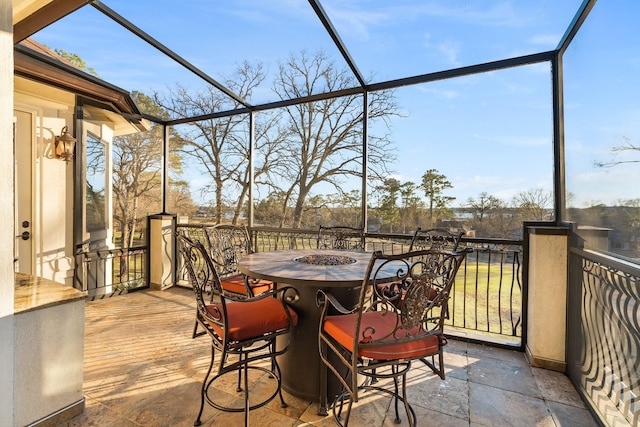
(23, 140)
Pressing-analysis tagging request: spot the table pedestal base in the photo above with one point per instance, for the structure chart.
(301, 365)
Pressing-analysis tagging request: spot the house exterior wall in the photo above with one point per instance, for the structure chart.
(46, 356)
(7, 319)
(52, 203)
(49, 362)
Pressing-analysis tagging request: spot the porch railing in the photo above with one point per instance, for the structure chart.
(486, 301)
(109, 272)
(603, 355)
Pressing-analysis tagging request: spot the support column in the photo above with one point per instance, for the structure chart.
(161, 229)
(547, 297)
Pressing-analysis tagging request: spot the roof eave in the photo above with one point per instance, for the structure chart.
(31, 65)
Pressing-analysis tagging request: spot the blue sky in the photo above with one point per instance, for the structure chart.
(490, 132)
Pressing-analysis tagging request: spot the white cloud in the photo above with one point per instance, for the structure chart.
(550, 40)
(450, 50)
(599, 185)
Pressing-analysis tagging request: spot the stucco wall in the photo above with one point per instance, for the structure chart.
(49, 360)
(547, 298)
(52, 203)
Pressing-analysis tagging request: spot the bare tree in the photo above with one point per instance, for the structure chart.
(627, 146)
(221, 145)
(95, 157)
(324, 143)
(482, 206)
(490, 216)
(137, 168)
(136, 171)
(533, 204)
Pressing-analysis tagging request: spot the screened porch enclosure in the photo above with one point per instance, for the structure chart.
(324, 127)
(387, 117)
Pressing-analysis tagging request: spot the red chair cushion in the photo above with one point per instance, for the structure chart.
(236, 285)
(342, 328)
(252, 319)
(260, 286)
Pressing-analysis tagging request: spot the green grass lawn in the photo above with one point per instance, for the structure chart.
(486, 299)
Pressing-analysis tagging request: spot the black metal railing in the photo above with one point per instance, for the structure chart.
(108, 272)
(486, 302)
(486, 299)
(603, 352)
(273, 239)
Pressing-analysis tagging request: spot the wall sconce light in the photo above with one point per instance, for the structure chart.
(65, 143)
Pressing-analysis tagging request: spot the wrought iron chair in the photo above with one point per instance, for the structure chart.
(229, 243)
(379, 338)
(244, 327)
(225, 244)
(431, 238)
(194, 232)
(435, 238)
(340, 237)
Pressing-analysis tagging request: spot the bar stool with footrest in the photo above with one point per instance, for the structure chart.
(380, 338)
(246, 328)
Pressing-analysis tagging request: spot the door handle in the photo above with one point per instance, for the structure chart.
(25, 235)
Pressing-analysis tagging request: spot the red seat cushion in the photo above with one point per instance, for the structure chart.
(260, 286)
(236, 285)
(252, 319)
(342, 329)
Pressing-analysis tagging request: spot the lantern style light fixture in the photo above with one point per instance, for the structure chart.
(65, 144)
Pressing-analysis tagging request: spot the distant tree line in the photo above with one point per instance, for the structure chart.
(296, 149)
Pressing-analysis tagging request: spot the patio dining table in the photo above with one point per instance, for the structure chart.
(308, 270)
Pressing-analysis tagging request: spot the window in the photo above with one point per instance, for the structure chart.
(95, 184)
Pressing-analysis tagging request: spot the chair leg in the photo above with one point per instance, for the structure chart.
(340, 400)
(278, 377)
(273, 359)
(239, 387)
(247, 405)
(411, 415)
(195, 330)
(395, 397)
(341, 397)
(322, 407)
(204, 385)
(438, 370)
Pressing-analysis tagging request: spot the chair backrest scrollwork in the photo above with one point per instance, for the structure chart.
(229, 243)
(435, 238)
(195, 233)
(340, 237)
(426, 276)
(204, 280)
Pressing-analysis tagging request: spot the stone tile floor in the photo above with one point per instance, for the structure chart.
(142, 368)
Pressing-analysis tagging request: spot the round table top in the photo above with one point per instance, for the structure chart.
(306, 267)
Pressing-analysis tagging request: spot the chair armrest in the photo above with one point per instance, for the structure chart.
(322, 296)
(288, 294)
